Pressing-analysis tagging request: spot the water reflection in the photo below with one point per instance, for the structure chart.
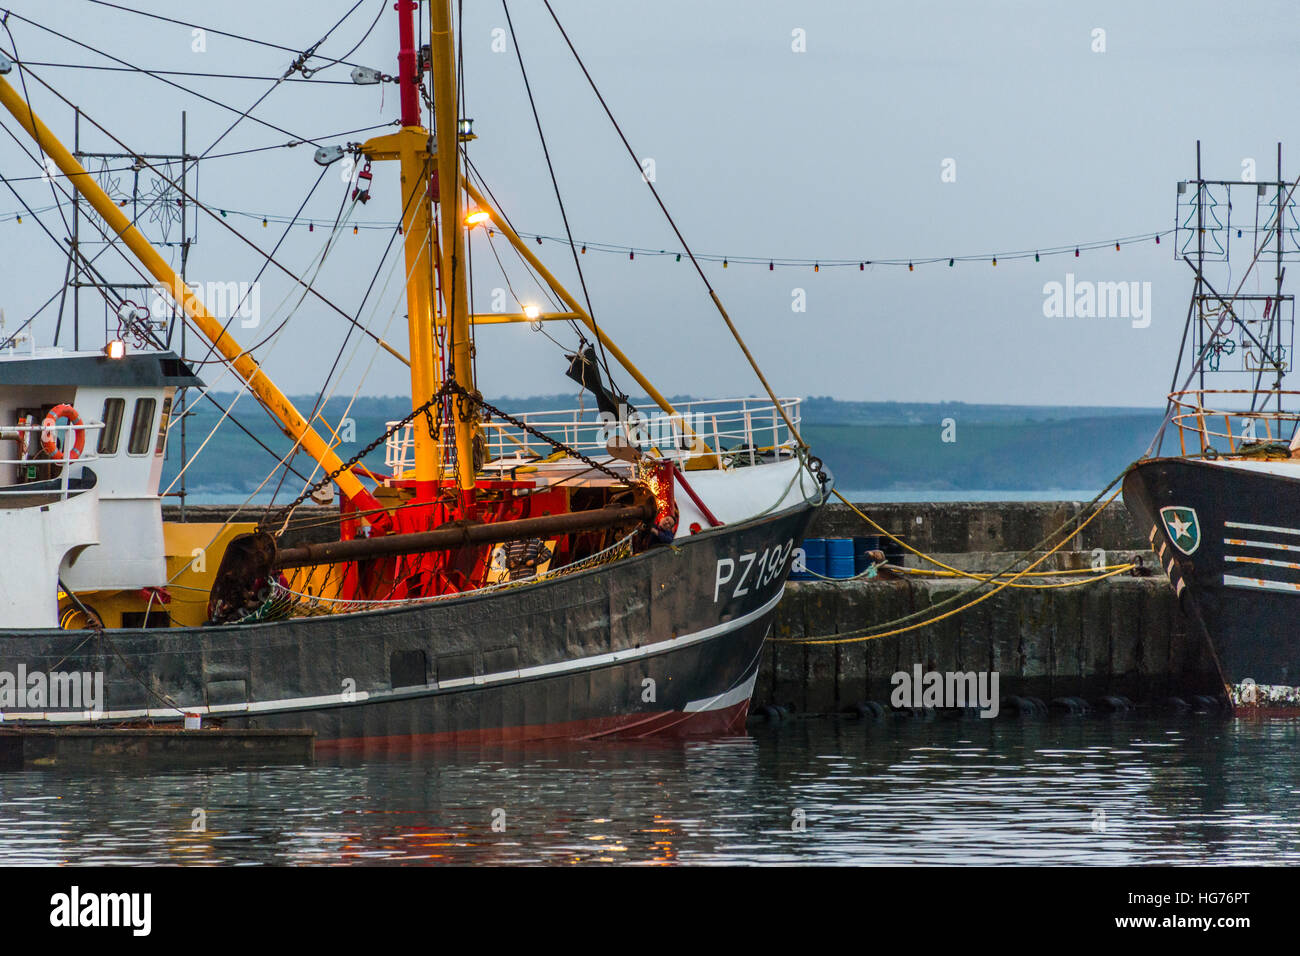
(1090, 790)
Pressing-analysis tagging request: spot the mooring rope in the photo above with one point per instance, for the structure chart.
(890, 629)
(976, 576)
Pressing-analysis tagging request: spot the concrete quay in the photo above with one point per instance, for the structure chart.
(1084, 647)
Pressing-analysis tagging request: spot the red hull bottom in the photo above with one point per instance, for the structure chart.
(671, 724)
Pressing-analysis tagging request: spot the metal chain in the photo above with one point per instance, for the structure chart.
(311, 489)
(463, 395)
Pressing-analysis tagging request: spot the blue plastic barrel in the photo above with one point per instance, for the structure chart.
(862, 548)
(814, 550)
(839, 557)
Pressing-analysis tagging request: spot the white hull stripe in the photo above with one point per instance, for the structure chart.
(1261, 527)
(1242, 559)
(403, 693)
(1259, 584)
(738, 694)
(1272, 545)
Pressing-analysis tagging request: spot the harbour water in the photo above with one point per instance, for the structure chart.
(1082, 790)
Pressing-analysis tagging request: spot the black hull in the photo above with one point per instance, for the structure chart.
(648, 645)
(1240, 583)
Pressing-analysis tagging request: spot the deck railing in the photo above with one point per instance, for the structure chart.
(33, 435)
(739, 431)
(1233, 421)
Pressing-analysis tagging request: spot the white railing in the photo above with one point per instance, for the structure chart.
(30, 436)
(739, 431)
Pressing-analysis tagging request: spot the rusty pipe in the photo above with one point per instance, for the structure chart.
(462, 534)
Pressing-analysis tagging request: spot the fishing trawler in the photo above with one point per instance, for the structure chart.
(600, 572)
(1224, 510)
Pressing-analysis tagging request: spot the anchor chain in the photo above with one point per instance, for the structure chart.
(283, 514)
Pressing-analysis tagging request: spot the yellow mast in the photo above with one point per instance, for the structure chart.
(411, 147)
(291, 421)
(455, 288)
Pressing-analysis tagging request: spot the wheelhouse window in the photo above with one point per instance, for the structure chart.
(111, 433)
(162, 426)
(141, 426)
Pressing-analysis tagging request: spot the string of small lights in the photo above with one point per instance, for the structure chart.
(1075, 249)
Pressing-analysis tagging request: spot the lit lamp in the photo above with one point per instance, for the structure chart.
(115, 349)
(531, 312)
(476, 217)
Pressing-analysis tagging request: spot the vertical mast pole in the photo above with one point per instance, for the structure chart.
(455, 288)
(76, 244)
(185, 258)
(413, 152)
(1199, 341)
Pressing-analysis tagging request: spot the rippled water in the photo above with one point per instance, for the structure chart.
(1082, 790)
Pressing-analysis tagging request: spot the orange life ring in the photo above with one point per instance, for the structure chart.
(50, 440)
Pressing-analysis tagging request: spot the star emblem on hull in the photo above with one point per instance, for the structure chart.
(1183, 528)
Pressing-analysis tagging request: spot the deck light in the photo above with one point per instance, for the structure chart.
(115, 349)
(531, 311)
(476, 217)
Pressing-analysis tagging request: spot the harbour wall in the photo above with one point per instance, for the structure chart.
(1124, 636)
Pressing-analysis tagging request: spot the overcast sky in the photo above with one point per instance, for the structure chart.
(836, 152)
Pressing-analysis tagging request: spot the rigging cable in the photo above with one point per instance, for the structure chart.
(320, 398)
(222, 33)
(45, 162)
(680, 238)
(88, 264)
(221, 221)
(161, 79)
(555, 183)
(260, 272)
(296, 66)
(59, 174)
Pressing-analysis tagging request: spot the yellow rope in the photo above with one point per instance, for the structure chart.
(1110, 571)
(956, 610)
(957, 572)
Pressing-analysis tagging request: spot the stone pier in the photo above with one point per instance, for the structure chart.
(1121, 637)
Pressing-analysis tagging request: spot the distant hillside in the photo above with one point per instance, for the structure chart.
(868, 445)
(824, 410)
(1066, 453)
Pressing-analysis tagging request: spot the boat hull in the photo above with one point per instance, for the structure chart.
(1227, 534)
(663, 643)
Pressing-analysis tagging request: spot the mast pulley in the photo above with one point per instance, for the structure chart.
(361, 191)
(327, 155)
